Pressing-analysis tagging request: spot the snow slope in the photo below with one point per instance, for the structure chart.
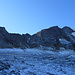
(38, 62)
(73, 32)
(64, 41)
(73, 29)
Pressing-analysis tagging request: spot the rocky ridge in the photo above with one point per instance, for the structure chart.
(53, 37)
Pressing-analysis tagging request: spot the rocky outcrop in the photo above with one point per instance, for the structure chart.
(49, 37)
(4, 36)
(68, 32)
(4, 66)
(54, 37)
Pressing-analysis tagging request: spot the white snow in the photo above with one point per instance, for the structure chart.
(62, 48)
(45, 48)
(73, 34)
(39, 62)
(67, 53)
(73, 29)
(64, 41)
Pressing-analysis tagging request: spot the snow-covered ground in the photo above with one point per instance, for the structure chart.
(38, 62)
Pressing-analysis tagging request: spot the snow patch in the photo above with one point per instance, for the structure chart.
(73, 34)
(64, 41)
(45, 48)
(66, 52)
(62, 48)
(73, 29)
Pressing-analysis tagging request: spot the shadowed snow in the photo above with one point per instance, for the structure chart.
(63, 41)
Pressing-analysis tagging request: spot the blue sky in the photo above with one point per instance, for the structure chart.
(31, 16)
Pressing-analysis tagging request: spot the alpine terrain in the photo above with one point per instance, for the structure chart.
(48, 52)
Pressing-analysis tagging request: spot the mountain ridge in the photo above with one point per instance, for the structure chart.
(47, 37)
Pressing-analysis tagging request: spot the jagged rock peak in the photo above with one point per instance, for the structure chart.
(67, 30)
(2, 29)
(54, 27)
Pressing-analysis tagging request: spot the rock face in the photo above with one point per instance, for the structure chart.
(54, 37)
(3, 38)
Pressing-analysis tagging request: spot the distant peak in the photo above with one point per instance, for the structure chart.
(55, 27)
(67, 28)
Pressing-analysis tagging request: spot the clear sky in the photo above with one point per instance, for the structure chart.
(31, 16)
